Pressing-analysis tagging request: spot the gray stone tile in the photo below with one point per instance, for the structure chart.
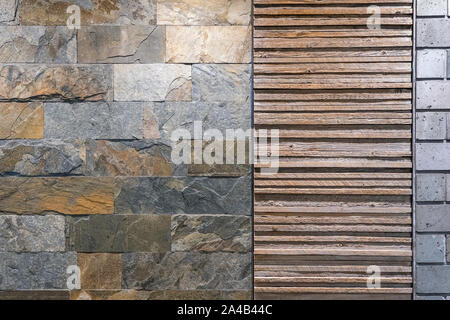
(41, 157)
(187, 271)
(34, 44)
(221, 82)
(37, 271)
(121, 44)
(119, 233)
(32, 233)
(207, 233)
(100, 120)
(190, 195)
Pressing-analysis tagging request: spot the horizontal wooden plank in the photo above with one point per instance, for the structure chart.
(362, 10)
(333, 183)
(309, 68)
(335, 252)
(331, 220)
(337, 163)
(399, 21)
(331, 268)
(334, 209)
(336, 175)
(309, 43)
(327, 2)
(331, 280)
(333, 290)
(343, 134)
(330, 239)
(329, 33)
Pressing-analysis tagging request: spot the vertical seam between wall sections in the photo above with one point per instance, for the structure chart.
(253, 146)
(413, 205)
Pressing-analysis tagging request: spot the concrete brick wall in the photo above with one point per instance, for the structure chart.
(433, 150)
(86, 176)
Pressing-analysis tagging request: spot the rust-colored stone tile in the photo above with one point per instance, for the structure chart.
(21, 121)
(68, 195)
(100, 270)
(104, 295)
(35, 295)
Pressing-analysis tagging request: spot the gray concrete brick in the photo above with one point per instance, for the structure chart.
(430, 298)
(448, 64)
(433, 156)
(430, 187)
(430, 248)
(431, 63)
(431, 7)
(431, 125)
(433, 279)
(433, 218)
(433, 33)
(434, 94)
(448, 248)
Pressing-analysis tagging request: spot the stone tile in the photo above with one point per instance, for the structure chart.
(68, 195)
(191, 195)
(431, 63)
(37, 271)
(131, 158)
(37, 45)
(196, 295)
(137, 12)
(120, 233)
(41, 157)
(432, 156)
(433, 94)
(221, 82)
(21, 120)
(204, 12)
(62, 82)
(429, 33)
(35, 295)
(121, 44)
(160, 295)
(7, 11)
(100, 120)
(214, 44)
(32, 233)
(431, 7)
(152, 82)
(162, 119)
(430, 248)
(431, 187)
(432, 218)
(100, 270)
(208, 233)
(54, 12)
(431, 125)
(187, 271)
(433, 279)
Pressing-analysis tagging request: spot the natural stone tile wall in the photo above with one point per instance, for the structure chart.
(86, 176)
(433, 151)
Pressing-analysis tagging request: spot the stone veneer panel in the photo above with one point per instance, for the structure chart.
(87, 177)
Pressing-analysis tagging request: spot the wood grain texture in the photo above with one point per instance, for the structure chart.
(340, 95)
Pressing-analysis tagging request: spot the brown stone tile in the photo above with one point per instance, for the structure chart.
(35, 295)
(100, 270)
(21, 120)
(68, 195)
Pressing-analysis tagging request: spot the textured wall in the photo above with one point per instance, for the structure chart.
(433, 150)
(86, 176)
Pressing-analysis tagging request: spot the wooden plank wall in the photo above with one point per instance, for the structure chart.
(340, 94)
